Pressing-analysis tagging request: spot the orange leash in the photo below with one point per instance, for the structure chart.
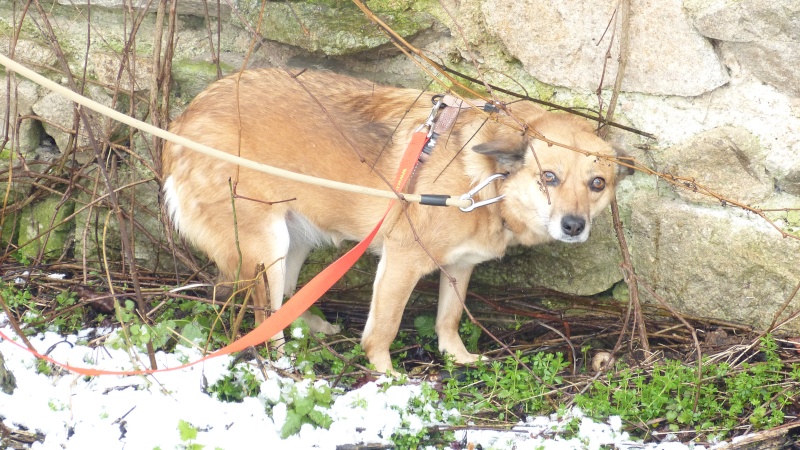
(299, 303)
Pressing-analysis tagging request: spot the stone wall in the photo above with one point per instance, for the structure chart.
(715, 81)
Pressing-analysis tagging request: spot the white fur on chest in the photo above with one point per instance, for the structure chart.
(472, 253)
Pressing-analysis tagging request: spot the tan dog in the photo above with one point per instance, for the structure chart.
(276, 122)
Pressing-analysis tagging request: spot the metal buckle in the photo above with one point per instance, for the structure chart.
(477, 188)
(438, 101)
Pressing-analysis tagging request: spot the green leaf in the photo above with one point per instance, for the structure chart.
(316, 311)
(426, 326)
(187, 431)
(320, 418)
(193, 333)
(161, 333)
(323, 395)
(303, 405)
(292, 425)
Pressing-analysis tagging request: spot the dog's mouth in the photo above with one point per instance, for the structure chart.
(574, 239)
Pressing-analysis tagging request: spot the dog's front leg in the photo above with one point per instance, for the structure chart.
(453, 281)
(397, 275)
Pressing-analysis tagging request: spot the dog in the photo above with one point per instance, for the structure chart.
(354, 131)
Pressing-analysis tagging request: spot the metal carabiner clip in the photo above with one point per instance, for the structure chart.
(476, 189)
(431, 121)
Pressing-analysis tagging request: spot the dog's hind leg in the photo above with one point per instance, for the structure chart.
(265, 242)
(451, 307)
(298, 252)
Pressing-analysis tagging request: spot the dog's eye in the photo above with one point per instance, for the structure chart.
(550, 178)
(597, 184)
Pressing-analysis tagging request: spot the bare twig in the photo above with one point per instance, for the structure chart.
(628, 268)
(780, 311)
(623, 16)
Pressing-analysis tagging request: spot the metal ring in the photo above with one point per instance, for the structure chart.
(471, 206)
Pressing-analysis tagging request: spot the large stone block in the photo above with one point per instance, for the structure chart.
(773, 62)
(746, 104)
(564, 43)
(727, 160)
(58, 114)
(712, 261)
(189, 7)
(192, 76)
(746, 20)
(97, 234)
(105, 68)
(763, 34)
(20, 98)
(335, 29)
(27, 49)
(35, 222)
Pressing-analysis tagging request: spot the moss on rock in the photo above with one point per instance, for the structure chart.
(334, 28)
(193, 75)
(34, 222)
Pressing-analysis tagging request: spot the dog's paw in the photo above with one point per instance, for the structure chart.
(465, 357)
(319, 325)
(455, 348)
(327, 328)
(469, 358)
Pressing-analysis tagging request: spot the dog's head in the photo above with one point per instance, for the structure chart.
(552, 192)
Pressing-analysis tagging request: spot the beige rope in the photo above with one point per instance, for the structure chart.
(14, 66)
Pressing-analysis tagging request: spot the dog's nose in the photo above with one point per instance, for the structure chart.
(573, 225)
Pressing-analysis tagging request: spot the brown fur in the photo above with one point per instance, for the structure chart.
(280, 125)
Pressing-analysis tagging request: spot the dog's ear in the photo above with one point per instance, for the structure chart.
(508, 151)
(623, 171)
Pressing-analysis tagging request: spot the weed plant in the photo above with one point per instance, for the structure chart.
(33, 311)
(505, 390)
(753, 394)
(238, 384)
(670, 395)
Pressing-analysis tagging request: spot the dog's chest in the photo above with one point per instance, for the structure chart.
(474, 252)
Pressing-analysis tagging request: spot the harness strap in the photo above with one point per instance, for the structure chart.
(452, 106)
(446, 119)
